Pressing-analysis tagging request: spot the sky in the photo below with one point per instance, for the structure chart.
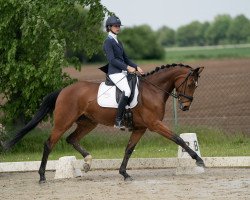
(174, 13)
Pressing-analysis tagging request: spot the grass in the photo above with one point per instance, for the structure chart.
(103, 145)
(191, 54)
(186, 54)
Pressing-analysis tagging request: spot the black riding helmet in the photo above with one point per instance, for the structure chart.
(113, 20)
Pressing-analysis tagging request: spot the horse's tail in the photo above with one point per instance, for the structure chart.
(46, 107)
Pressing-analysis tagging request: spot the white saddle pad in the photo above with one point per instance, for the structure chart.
(106, 97)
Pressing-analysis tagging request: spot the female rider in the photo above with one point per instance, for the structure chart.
(119, 65)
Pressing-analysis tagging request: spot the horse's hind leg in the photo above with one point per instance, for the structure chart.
(46, 152)
(63, 120)
(84, 127)
(48, 146)
(134, 139)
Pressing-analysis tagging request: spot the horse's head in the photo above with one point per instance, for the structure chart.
(185, 86)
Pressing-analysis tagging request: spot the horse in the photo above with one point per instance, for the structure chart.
(77, 103)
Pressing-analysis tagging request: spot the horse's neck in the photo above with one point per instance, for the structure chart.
(165, 80)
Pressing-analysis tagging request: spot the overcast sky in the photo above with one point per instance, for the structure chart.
(174, 13)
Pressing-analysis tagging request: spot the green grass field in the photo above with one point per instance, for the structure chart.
(203, 53)
(104, 145)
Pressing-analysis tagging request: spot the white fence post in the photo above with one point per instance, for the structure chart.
(186, 164)
(66, 168)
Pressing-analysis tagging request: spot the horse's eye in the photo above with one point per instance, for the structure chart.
(193, 84)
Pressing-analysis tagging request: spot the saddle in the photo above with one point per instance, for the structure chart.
(132, 82)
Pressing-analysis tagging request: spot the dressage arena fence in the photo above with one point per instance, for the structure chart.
(221, 101)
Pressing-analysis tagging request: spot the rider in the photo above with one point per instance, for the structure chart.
(119, 65)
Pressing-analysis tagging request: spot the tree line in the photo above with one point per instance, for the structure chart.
(222, 30)
(141, 42)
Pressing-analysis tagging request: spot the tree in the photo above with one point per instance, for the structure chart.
(141, 42)
(191, 34)
(166, 36)
(216, 33)
(239, 30)
(34, 36)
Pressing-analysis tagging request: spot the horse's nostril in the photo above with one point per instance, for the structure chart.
(185, 108)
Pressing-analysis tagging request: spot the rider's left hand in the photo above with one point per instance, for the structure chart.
(140, 70)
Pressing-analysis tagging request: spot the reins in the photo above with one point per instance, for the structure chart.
(158, 87)
(171, 93)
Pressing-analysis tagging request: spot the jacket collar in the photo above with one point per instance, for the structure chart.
(114, 41)
(114, 36)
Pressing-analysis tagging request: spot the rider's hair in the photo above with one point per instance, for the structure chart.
(108, 28)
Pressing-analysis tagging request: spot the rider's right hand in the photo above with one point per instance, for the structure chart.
(131, 69)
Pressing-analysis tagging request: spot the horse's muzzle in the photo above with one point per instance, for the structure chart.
(184, 107)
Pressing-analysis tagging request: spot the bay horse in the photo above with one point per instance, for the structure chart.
(77, 103)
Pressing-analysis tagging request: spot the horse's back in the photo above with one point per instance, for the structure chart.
(81, 87)
(78, 94)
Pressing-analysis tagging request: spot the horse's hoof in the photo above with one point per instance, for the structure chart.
(42, 181)
(86, 167)
(200, 163)
(129, 178)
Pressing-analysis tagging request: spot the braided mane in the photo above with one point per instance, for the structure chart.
(166, 67)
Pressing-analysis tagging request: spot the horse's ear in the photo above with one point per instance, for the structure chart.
(198, 70)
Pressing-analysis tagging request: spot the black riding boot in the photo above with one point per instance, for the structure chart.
(120, 112)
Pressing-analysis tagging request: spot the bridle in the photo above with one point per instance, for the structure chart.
(177, 96)
(190, 98)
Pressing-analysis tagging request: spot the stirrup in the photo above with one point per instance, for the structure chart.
(119, 125)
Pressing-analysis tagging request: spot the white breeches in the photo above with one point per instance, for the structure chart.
(121, 81)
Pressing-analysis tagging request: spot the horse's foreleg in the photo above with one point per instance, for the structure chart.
(134, 139)
(178, 140)
(160, 128)
(83, 128)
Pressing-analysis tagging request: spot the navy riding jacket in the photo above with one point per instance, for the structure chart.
(116, 56)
